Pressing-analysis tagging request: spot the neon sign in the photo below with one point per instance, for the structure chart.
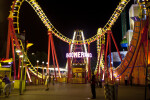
(78, 55)
(5, 60)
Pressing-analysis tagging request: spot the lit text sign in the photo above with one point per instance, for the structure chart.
(78, 55)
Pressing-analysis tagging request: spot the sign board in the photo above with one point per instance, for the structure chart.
(78, 55)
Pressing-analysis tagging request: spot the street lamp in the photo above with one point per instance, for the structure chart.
(47, 68)
(37, 70)
(18, 50)
(37, 61)
(33, 53)
(21, 56)
(42, 70)
(20, 89)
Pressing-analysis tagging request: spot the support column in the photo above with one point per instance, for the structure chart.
(109, 32)
(89, 67)
(55, 55)
(20, 88)
(53, 59)
(106, 65)
(37, 74)
(48, 60)
(69, 59)
(98, 64)
(99, 68)
(8, 41)
(42, 72)
(146, 80)
(19, 68)
(115, 45)
(13, 52)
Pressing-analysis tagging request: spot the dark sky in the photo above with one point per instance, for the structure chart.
(66, 17)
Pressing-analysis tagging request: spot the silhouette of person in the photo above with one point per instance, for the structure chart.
(7, 84)
(93, 82)
(131, 79)
(126, 80)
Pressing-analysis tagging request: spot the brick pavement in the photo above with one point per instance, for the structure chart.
(74, 92)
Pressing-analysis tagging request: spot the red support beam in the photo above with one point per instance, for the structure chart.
(89, 67)
(111, 68)
(106, 65)
(13, 52)
(115, 45)
(55, 55)
(69, 62)
(8, 41)
(53, 58)
(13, 39)
(48, 59)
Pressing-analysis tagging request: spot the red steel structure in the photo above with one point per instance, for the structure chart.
(133, 51)
(54, 56)
(69, 66)
(89, 67)
(14, 42)
(15, 28)
(108, 45)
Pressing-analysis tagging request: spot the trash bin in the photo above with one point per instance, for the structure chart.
(111, 91)
(107, 92)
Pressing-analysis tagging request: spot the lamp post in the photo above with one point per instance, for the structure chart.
(42, 70)
(20, 88)
(47, 69)
(18, 51)
(37, 70)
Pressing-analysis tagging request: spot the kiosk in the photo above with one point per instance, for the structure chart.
(79, 73)
(5, 69)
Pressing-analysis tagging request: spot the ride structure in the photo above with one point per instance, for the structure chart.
(101, 64)
(15, 27)
(79, 66)
(54, 56)
(135, 63)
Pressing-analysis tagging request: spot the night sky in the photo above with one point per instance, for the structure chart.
(67, 17)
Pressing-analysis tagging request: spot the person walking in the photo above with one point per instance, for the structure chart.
(126, 80)
(53, 80)
(93, 82)
(7, 84)
(49, 78)
(131, 79)
(47, 82)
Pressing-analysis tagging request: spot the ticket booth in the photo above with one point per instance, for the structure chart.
(78, 73)
(5, 69)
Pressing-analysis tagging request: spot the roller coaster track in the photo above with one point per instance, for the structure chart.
(131, 51)
(100, 52)
(29, 64)
(17, 43)
(16, 8)
(15, 16)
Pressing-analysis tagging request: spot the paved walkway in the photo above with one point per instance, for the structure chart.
(74, 92)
